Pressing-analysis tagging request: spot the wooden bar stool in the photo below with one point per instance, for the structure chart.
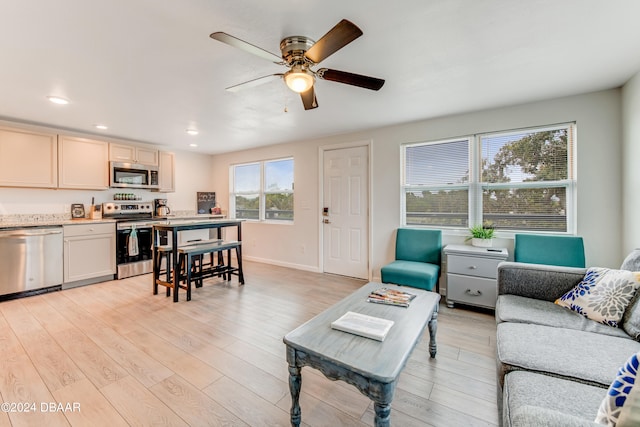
(160, 253)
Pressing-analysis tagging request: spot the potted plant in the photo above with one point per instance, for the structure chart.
(481, 236)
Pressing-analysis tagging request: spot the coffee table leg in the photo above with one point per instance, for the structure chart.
(295, 382)
(383, 414)
(433, 327)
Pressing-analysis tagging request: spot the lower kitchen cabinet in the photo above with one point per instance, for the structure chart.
(89, 251)
(472, 275)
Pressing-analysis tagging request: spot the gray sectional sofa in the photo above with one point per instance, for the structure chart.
(555, 366)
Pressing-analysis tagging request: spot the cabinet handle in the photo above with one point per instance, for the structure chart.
(472, 267)
(475, 293)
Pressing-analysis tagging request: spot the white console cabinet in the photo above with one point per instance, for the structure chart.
(472, 275)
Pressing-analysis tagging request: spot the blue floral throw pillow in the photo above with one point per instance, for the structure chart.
(603, 294)
(618, 392)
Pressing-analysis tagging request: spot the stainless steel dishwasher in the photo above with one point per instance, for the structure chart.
(30, 259)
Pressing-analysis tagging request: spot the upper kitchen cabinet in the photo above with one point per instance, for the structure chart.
(28, 159)
(133, 154)
(83, 163)
(166, 172)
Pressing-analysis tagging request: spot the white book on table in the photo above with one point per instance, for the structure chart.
(363, 325)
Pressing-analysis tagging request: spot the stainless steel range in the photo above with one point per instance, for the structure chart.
(134, 236)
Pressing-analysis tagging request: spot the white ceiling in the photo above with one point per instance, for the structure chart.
(148, 69)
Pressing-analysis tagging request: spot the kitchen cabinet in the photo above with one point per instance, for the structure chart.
(133, 154)
(82, 163)
(472, 275)
(166, 172)
(28, 159)
(89, 251)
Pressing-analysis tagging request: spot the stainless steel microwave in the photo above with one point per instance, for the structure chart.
(132, 175)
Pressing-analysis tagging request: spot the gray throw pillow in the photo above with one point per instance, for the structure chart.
(631, 318)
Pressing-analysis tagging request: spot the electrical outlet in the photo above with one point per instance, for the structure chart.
(302, 249)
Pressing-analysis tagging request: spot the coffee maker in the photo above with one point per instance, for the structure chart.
(160, 207)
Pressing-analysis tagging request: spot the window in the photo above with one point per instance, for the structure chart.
(262, 190)
(519, 180)
(436, 183)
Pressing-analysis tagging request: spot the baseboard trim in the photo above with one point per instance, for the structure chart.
(303, 267)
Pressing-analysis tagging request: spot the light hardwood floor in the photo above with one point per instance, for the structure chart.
(127, 357)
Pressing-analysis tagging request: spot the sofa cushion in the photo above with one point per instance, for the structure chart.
(603, 295)
(543, 282)
(584, 356)
(632, 261)
(618, 392)
(631, 318)
(514, 308)
(535, 416)
(531, 399)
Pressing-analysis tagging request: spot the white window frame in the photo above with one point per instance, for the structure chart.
(420, 188)
(262, 192)
(475, 186)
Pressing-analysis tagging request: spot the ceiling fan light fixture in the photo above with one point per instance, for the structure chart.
(299, 79)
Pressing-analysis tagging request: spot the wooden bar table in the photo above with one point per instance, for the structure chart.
(183, 225)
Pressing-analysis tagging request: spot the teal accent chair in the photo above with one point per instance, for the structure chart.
(418, 257)
(566, 251)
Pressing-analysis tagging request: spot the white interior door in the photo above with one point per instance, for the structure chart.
(346, 212)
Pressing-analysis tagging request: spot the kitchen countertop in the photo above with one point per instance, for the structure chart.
(51, 223)
(60, 222)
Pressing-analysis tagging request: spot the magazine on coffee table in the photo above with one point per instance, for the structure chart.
(363, 325)
(391, 297)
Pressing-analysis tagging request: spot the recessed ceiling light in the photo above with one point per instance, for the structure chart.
(58, 100)
(101, 127)
(192, 131)
(193, 145)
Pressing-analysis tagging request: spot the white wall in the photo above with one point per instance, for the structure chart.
(599, 190)
(630, 164)
(293, 245)
(193, 173)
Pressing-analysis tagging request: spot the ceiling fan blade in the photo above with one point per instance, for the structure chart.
(338, 37)
(309, 99)
(247, 47)
(253, 83)
(350, 78)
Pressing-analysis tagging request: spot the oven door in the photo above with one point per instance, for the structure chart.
(134, 250)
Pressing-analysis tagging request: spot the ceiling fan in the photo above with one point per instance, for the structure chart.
(300, 54)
